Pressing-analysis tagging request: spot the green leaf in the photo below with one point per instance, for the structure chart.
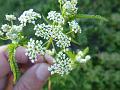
(85, 51)
(12, 61)
(86, 16)
(71, 54)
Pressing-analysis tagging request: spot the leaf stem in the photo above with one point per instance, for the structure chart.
(54, 46)
(69, 32)
(75, 42)
(49, 43)
(49, 84)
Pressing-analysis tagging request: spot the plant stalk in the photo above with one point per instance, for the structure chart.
(47, 47)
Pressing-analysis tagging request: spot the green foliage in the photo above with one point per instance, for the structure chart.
(12, 61)
(103, 39)
(85, 51)
(86, 16)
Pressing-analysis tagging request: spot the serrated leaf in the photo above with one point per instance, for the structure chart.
(86, 16)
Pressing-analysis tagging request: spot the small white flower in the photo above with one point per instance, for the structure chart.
(75, 26)
(55, 32)
(28, 16)
(34, 48)
(12, 36)
(50, 52)
(81, 58)
(80, 53)
(63, 41)
(6, 28)
(16, 29)
(78, 58)
(12, 32)
(55, 17)
(69, 8)
(10, 17)
(88, 57)
(62, 65)
(43, 30)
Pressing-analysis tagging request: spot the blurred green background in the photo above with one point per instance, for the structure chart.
(103, 38)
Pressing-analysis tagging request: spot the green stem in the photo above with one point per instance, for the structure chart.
(49, 43)
(54, 46)
(60, 7)
(47, 47)
(69, 32)
(11, 23)
(45, 43)
(75, 42)
(45, 19)
(49, 84)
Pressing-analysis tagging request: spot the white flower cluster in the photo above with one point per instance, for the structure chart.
(75, 26)
(34, 48)
(69, 8)
(55, 17)
(55, 32)
(10, 17)
(52, 33)
(81, 58)
(11, 31)
(63, 40)
(6, 28)
(43, 30)
(62, 65)
(28, 16)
